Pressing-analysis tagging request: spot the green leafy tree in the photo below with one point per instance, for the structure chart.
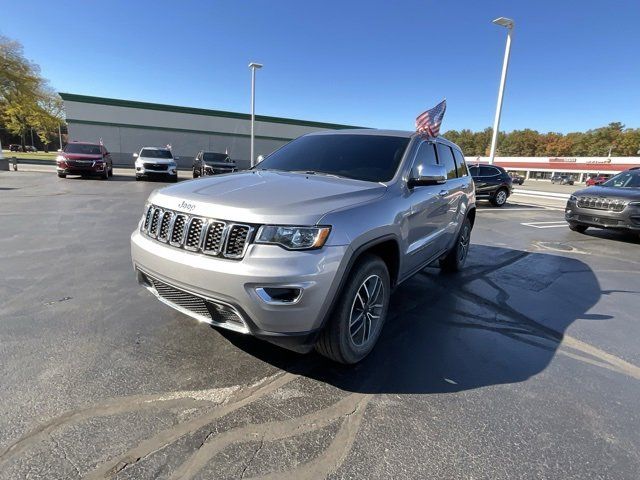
(26, 101)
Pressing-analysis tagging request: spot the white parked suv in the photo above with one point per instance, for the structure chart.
(305, 249)
(154, 162)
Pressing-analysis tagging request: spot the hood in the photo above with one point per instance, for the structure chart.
(80, 156)
(266, 197)
(158, 161)
(609, 192)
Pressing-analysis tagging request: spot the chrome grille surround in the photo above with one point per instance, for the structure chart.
(197, 234)
(601, 203)
(205, 309)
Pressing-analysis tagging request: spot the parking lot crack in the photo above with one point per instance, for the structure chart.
(58, 447)
(255, 453)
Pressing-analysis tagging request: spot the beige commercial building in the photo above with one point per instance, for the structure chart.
(125, 126)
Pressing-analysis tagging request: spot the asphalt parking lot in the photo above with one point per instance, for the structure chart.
(526, 365)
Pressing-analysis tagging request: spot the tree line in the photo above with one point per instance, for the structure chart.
(614, 138)
(26, 99)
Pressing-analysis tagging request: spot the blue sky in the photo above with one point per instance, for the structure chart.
(575, 64)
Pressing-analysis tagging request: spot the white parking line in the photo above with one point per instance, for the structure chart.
(556, 224)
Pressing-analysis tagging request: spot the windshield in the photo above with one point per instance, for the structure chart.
(373, 158)
(153, 153)
(83, 149)
(215, 157)
(624, 180)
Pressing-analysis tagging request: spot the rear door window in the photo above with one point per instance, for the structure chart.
(461, 165)
(487, 171)
(445, 157)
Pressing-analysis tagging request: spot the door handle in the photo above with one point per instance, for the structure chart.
(443, 193)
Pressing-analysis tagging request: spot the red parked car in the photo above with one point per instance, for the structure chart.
(85, 159)
(591, 181)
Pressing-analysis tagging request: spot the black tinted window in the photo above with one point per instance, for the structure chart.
(373, 158)
(445, 156)
(82, 148)
(215, 157)
(486, 171)
(474, 170)
(624, 180)
(460, 163)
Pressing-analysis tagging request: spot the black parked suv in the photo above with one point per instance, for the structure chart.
(492, 183)
(211, 163)
(562, 179)
(615, 204)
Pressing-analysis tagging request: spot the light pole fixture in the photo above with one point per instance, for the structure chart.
(509, 25)
(253, 66)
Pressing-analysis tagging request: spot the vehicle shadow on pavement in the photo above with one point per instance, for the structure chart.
(499, 321)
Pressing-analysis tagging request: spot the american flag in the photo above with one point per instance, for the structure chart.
(429, 122)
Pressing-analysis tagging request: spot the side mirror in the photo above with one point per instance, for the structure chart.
(260, 158)
(429, 175)
(135, 155)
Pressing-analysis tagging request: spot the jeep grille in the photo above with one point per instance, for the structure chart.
(197, 234)
(601, 203)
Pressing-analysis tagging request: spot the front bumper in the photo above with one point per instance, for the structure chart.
(81, 168)
(627, 219)
(234, 286)
(150, 173)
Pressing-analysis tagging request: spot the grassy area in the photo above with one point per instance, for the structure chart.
(51, 156)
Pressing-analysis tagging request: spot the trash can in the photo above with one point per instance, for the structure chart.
(4, 164)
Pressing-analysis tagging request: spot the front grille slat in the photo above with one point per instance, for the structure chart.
(236, 241)
(155, 219)
(197, 234)
(213, 238)
(194, 231)
(177, 233)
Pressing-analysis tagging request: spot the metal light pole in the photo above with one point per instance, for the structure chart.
(253, 66)
(508, 24)
(60, 136)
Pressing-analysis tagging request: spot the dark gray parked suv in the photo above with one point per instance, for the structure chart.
(305, 249)
(615, 204)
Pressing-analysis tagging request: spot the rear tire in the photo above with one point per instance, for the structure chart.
(577, 227)
(500, 198)
(357, 319)
(457, 256)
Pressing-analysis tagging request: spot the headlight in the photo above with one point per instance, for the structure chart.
(634, 204)
(60, 158)
(293, 238)
(573, 198)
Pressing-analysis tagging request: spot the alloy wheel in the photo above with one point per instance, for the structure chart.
(366, 311)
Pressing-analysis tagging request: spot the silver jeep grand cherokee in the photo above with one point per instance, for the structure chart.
(305, 249)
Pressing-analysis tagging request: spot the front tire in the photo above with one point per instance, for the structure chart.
(358, 317)
(500, 198)
(62, 175)
(577, 227)
(105, 173)
(457, 256)
(195, 173)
